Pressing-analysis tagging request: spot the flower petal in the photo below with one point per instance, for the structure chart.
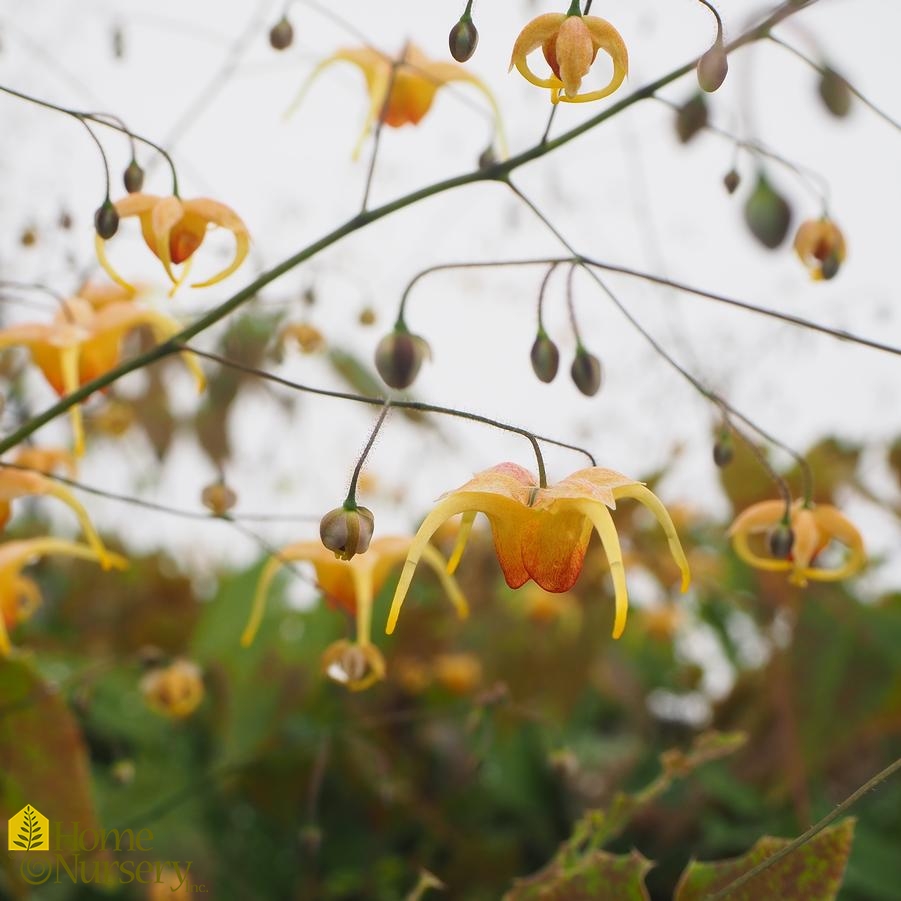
(163, 218)
(535, 33)
(553, 545)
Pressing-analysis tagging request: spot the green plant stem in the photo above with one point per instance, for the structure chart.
(814, 830)
(350, 502)
(498, 172)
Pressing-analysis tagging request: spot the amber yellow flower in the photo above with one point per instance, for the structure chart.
(542, 533)
(814, 526)
(83, 342)
(352, 585)
(175, 690)
(174, 229)
(821, 247)
(19, 595)
(570, 43)
(415, 81)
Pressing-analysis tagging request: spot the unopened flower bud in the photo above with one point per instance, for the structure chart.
(487, 158)
(106, 220)
(723, 450)
(712, 68)
(218, 498)
(691, 117)
(399, 357)
(781, 540)
(463, 39)
(281, 35)
(731, 180)
(347, 532)
(133, 177)
(545, 358)
(586, 372)
(835, 93)
(767, 214)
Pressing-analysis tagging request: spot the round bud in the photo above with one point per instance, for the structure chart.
(731, 180)
(545, 358)
(281, 35)
(106, 220)
(133, 177)
(487, 158)
(399, 357)
(723, 451)
(767, 214)
(835, 93)
(367, 316)
(586, 372)
(712, 68)
(781, 540)
(218, 498)
(691, 117)
(463, 40)
(347, 532)
(830, 266)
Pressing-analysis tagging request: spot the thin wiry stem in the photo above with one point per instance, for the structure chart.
(351, 502)
(379, 127)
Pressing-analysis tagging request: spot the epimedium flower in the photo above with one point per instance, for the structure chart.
(175, 691)
(84, 341)
(352, 585)
(542, 533)
(814, 527)
(570, 43)
(821, 247)
(401, 91)
(19, 595)
(174, 229)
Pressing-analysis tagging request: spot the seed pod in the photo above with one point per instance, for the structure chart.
(781, 540)
(347, 532)
(463, 39)
(281, 35)
(545, 358)
(712, 68)
(399, 357)
(835, 93)
(767, 214)
(691, 117)
(731, 180)
(218, 498)
(723, 450)
(133, 177)
(106, 220)
(586, 372)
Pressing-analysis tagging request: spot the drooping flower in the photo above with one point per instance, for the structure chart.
(175, 691)
(542, 533)
(821, 247)
(813, 527)
(83, 342)
(19, 595)
(570, 43)
(412, 80)
(174, 229)
(352, 585)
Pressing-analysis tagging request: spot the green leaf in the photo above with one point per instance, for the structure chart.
(812, 872)
(599, 874)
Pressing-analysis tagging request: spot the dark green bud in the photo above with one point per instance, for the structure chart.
(133, 177)
(463, 39)
(723, 450)
(586, 372)
(835, 93)
(399, 357)
(781, 540)
(106, 220)
(487, 158)
(281, 35)
(691, 117)
(347, 532)
(830, 266)
(545, 358)
(712, 68)
(767, 214)
(731, 180)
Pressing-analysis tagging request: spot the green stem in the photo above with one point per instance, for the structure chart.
(350, 502)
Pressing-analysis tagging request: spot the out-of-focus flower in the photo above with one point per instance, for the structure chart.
(542, 533)
(570, 43)
(102, 294)
(821, 247)
(16, 483)
(174, 229)
(82, 343)
(545, 608)
(175, 691)
(19, 595)
(412, 80)
(352, 585)
(813, 528)
(459, 673)
(47, 460)
(308, 338)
